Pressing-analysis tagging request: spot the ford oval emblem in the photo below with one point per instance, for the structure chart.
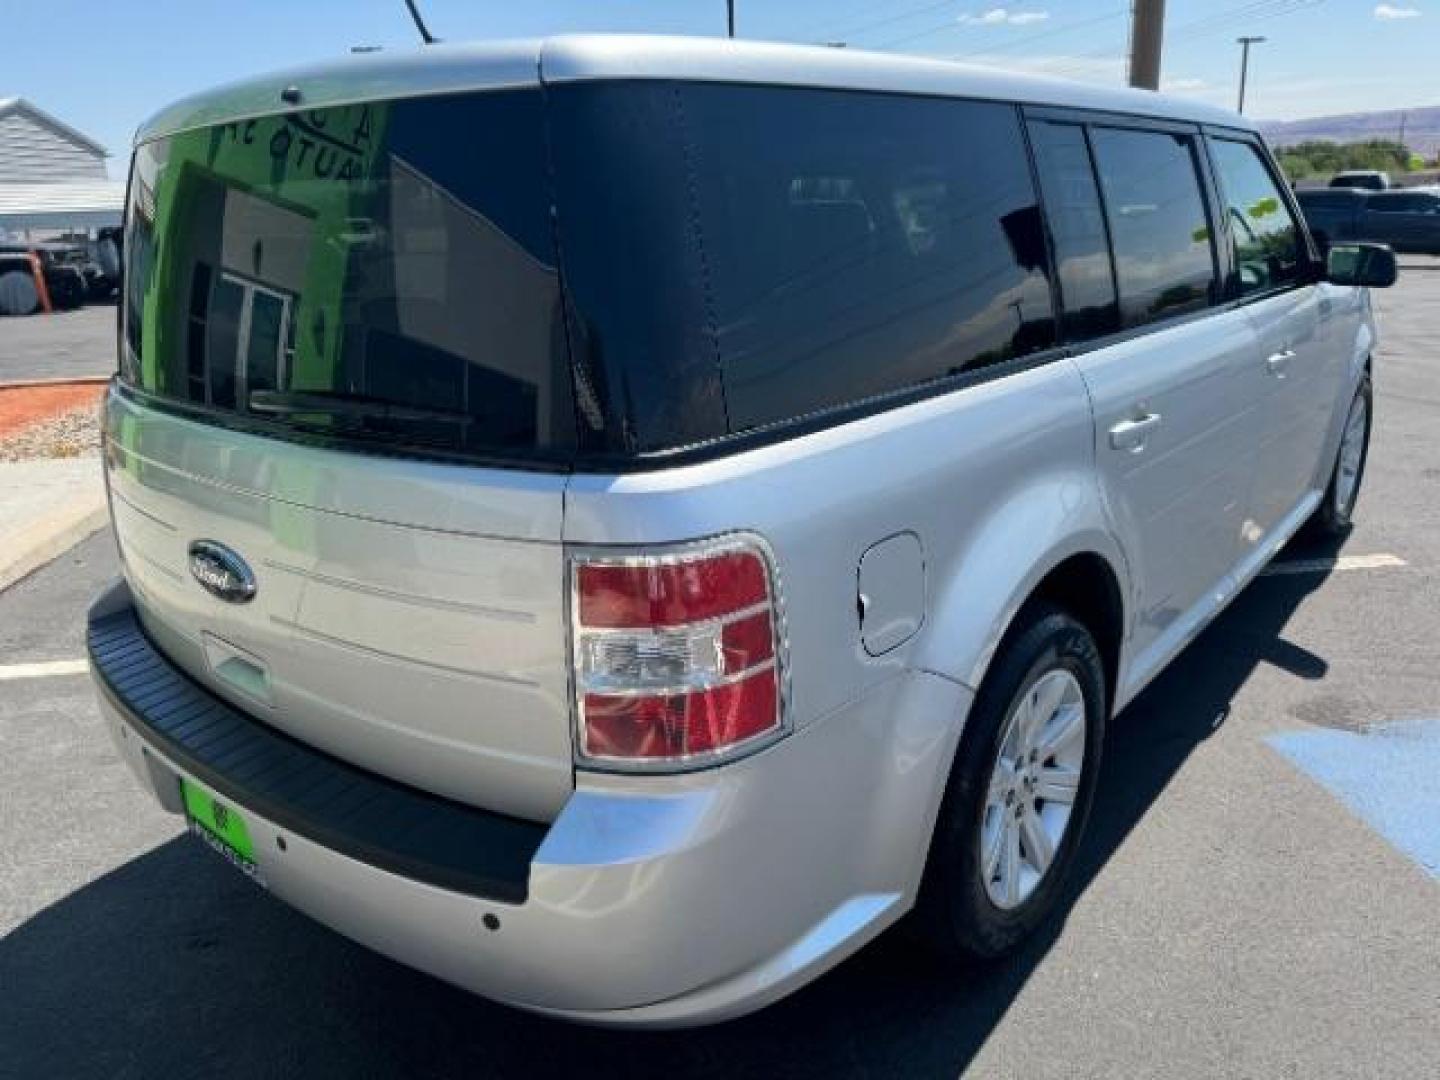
(221, 572)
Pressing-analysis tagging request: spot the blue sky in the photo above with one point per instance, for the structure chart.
(104, 65)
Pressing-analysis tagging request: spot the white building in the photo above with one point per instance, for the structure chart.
(52, 177)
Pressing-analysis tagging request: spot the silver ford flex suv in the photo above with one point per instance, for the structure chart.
(617, 523)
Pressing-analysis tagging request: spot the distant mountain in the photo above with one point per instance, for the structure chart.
(1422, 128)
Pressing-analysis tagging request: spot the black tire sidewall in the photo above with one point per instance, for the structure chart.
(955, 905)
(1333, 518)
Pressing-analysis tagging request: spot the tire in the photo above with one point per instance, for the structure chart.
(1335, 515)
(67, 291)
(964, 910)
(18, 295)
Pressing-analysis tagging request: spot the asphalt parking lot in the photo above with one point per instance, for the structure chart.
(1259, 895)
(63, 345)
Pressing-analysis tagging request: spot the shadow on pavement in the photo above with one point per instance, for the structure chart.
(173, 965)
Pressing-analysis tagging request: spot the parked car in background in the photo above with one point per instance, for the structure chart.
(1407, 220)
(624, 574)
(1333, 214)
(1366, 179)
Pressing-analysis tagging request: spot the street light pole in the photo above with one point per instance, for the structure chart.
(730, 16)
(1245, 43)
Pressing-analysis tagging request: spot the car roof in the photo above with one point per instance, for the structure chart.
(452, 68)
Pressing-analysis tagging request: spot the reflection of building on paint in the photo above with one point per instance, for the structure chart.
(52, 177)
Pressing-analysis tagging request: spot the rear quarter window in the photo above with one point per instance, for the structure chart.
(863, 243)
(739, 256)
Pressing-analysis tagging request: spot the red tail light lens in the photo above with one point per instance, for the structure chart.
(677, 655)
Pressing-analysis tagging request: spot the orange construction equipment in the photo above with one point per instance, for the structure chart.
(39, 272)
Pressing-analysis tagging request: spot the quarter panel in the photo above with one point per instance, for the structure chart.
(988, 478)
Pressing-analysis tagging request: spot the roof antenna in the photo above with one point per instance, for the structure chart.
(425, 34)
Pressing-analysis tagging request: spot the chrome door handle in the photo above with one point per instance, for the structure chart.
(1277, 363)
(1131, 434)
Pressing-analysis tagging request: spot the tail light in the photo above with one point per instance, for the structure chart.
(678, 655)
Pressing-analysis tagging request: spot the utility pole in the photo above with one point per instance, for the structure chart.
(1147, 32)
(1245, 43)
(730, 16)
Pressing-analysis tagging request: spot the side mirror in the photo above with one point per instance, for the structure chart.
(1369, 265)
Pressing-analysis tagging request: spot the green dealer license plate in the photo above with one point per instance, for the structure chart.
(220, 826)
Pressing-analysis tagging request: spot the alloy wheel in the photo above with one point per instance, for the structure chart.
(1033, 787)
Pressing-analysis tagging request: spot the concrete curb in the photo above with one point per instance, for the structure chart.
(49, 537)
(78, 380)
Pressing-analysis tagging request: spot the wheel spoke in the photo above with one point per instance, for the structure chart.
(994, 848)
(1010, 863)
(1057, 784)
(1000, 782)
(1017, 738)
(1045, 699)
(1068, 726)
(1037, 841)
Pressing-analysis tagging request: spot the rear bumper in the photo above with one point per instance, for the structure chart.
(654, 901)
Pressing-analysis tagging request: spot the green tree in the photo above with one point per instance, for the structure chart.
(1320, 158)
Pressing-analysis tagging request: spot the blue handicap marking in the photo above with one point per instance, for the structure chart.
(1389, 775)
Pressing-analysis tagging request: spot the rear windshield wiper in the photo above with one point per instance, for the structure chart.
(342, 403)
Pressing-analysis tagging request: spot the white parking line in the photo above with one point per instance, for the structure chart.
(43, 670)
(1344, 562)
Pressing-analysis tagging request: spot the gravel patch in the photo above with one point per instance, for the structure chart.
(70, 434)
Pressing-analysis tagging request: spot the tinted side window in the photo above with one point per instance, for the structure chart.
(1077, 229)
(1269, 253)
(1400, 204)
(862, 243)
(1163, 258)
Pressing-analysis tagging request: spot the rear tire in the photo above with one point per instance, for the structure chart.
(992, 878)
(1335, 515)
(18, 295)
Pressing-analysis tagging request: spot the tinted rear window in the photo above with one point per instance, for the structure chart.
(380, 273)
(813, 247)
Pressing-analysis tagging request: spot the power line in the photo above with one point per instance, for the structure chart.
(425, 34)
(867, 25)
(1030, 39)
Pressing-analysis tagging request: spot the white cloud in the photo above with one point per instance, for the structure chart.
(1005, 17)
(1388, 12)
(1182, 86)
